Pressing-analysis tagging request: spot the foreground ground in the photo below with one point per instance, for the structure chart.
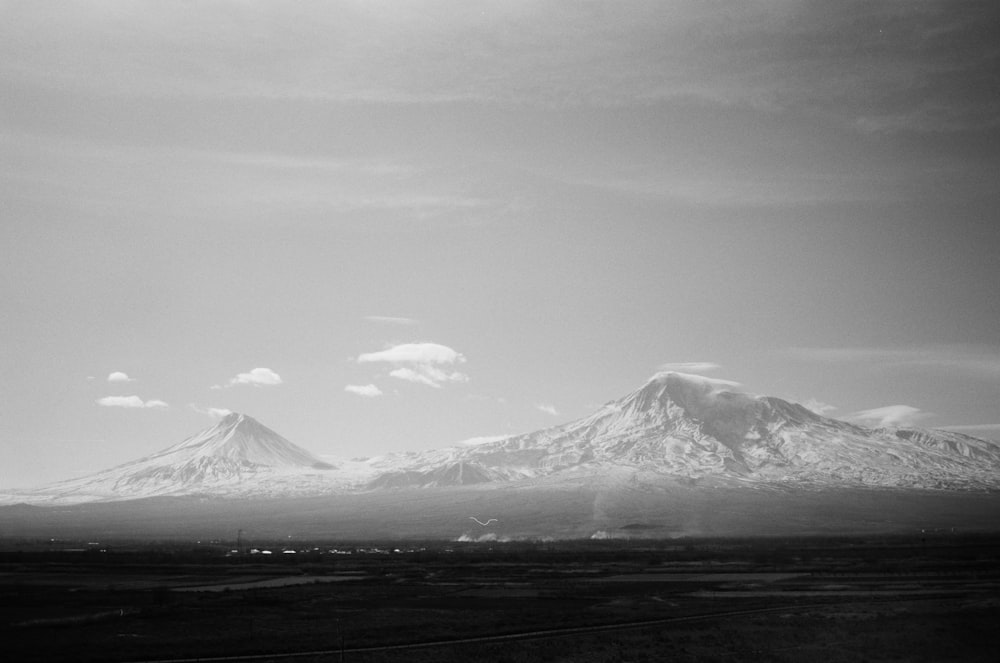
(932, 597)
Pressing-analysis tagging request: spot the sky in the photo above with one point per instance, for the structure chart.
(388, 226)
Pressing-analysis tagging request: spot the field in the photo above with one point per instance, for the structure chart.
(930, 597)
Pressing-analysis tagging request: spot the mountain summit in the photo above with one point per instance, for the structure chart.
(236, 451)
(243, 440)
(692, 428)
(676, 429)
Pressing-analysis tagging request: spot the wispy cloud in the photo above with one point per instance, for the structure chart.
(258, 377)
(430, 364)
(881, 66)
(213, 412)
(547, 409)
(482, 439)
(118, 376)
(890, 415)
(131, 402)
(246, 186)
(819, 407)
(713, 385)
(391, 320)
(970, 360)
(689, 366)
(366, 390)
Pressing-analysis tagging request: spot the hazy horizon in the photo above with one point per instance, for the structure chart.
(378, 227)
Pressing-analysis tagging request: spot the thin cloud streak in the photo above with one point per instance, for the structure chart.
(690, 366)
(920, 67)
(240, 186)
(391, 320)
(890, 415)
(981, 361)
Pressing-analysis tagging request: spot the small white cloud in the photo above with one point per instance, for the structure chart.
(547, 409)
(890, 415)
(482, 439)
(420, 363)
(690, 366)
(130, 402)
(258, 377)
(118, 376)
(818, 407)
(417, 353)
(411, 375)
(366, 390)
(710, 384)
(391, 320)
(213, 412)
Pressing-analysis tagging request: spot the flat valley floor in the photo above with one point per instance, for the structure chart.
(929, 597)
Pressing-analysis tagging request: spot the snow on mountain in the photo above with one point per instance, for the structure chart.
(676, 427)
(236, 456)
(694, 428)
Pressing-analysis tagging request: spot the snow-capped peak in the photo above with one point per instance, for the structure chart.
(712, 384)
(242, 438)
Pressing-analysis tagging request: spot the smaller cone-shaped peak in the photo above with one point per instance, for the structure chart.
(242, 438)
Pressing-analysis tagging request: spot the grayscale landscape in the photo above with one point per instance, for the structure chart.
(427, 330)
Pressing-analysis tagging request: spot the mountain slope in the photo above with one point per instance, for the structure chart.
(676, 429)
(695, 428)
(238, 455)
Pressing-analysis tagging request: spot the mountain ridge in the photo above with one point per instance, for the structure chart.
(675, 427)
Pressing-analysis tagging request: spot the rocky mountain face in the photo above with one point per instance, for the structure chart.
(238, 455)
(675, 428)
(698, 429)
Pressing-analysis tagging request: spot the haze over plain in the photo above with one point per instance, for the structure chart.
(380, 227)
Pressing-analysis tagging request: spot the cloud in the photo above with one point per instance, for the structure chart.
(366, 390)
(429, 364)
(969, 360)
(713, 385)
(390, 320)
(424, 353)
(818, 407)
(411, 375)
(258, 377)
(547, 409)
(690, 366)
(878, 66)
(481, 439)
(118, 376)
(213, 412)
(890, 415)
(130, 402)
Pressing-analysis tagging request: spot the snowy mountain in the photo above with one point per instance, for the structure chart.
(698, 429)
(236, 456)
(675, 429)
